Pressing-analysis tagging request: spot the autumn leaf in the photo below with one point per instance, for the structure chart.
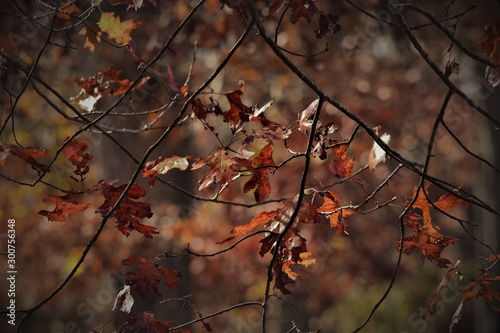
(28, 154)
(490, 46)
(67, 9)
(116, 29)
(270, 131)
(238, 113)
(332, 209)
(342, 166)
(65, 205)
(129, 212)
(447, 282)
(427, 239)
(91, 37)
(292, 251)
(260, 178)
(162, 166)
(377, 154)
(223, 169)
(127, 302)
(306, 117)
(307, 9)
(77, 155)
(148, 276)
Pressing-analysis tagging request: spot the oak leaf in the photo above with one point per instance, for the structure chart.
(332, 209)
(149, 275)
(260, 178)
(28, 154)
(307, 9)
(77, 155)
(130, 211)
(223, 169)
(64, 205)
(162, 166)
(342, 166)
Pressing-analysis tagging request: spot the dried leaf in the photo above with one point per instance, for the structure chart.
(260, 178)
(148, 276)
(162, 166)
(377, 154)
(223, 169)
(306, 116)
(342, 166)
(490, 46)
(28, 154)
(116, 29)
(128, 301)
(65, 205)
(77, 155)
(130, 211)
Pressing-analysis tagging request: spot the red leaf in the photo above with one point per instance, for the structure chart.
(149, 275)
(129, 212)
(75, 151)
(64, 205)
(239, 113)
(107, 82)
(28, 154)
(260, 177)
(307, 9)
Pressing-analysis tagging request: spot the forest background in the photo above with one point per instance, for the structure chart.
(250, 166)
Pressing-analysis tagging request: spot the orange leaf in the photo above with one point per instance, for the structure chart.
(341, 166)
(261, 218)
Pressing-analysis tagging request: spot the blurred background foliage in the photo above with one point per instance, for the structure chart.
(369, 67)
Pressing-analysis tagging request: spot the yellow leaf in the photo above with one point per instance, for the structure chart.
(116, 29)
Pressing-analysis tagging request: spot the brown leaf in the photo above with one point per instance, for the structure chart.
(260, 178)
(223, 169)
(342, 166)
(129, 212)
(65, 205)
(238, 114)
(490, 46)
(148, 276)
(28, 154)
(162, 166)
